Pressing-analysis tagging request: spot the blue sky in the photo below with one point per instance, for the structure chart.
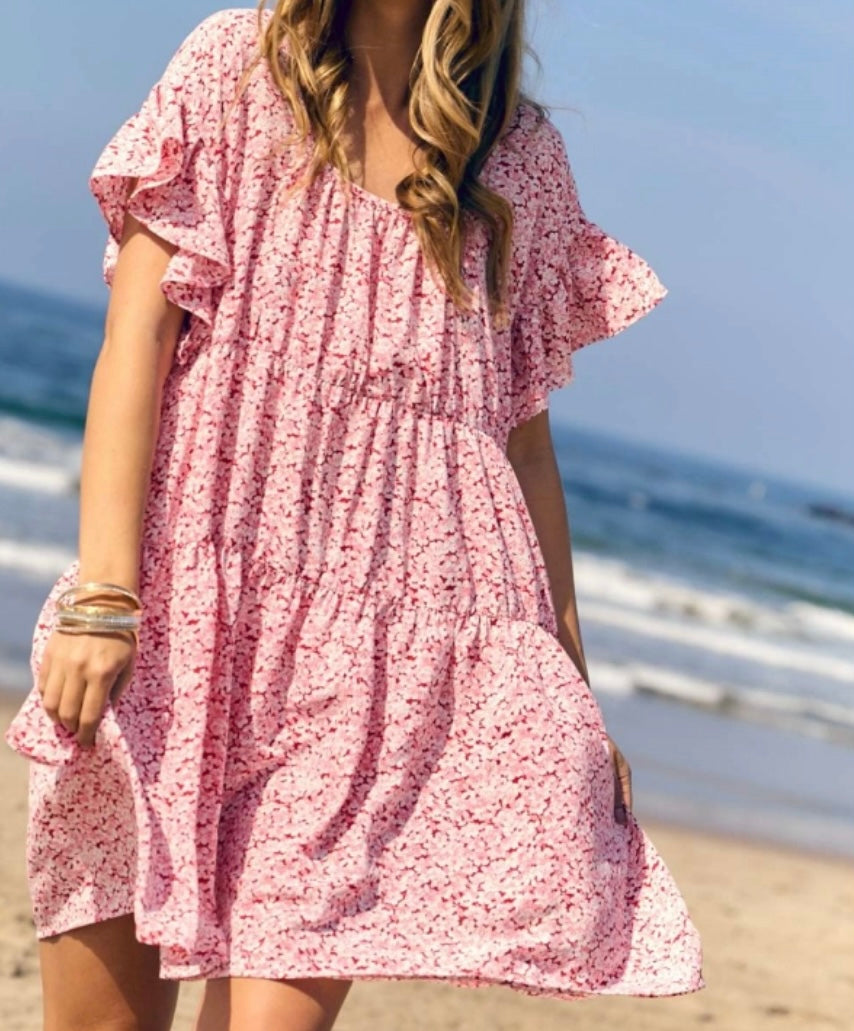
(714, 138)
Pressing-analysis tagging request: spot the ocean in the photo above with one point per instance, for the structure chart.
(716, 605)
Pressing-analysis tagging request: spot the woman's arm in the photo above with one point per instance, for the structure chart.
(531, 453)
(80, 672)
(123, 414)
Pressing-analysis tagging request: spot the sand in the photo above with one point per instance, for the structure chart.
(777, 927)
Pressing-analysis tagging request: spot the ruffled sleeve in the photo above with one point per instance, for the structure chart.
(578, 285)
(171, 146)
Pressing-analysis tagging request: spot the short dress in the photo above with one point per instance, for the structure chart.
(352, 745)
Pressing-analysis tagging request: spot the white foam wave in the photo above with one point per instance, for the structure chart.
(38, 560)
(613, 592)
(49, 479)
(823, 622)
(36, 458)
(812, 716)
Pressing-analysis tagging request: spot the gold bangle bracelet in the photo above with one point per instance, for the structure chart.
(97, 586)
(68, 629)
(97, 610)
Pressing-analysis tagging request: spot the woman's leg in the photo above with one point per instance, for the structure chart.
(257, 1004)
(100, 978)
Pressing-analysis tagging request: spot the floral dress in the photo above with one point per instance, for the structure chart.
(352, 745)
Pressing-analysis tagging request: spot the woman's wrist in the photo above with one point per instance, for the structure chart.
(121, 573)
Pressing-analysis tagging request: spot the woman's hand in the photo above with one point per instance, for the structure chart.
(622, 783)
(80, 673)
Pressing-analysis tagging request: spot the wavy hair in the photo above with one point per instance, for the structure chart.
(464, 90)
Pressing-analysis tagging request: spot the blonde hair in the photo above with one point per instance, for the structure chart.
(461, 101)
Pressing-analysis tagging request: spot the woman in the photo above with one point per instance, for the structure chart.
(353, 736)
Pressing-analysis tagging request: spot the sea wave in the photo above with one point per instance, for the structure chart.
(811, 716)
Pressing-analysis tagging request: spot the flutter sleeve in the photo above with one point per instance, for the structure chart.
(579, 284)
(171, 147)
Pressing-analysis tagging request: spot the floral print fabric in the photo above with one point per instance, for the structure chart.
(352, 745)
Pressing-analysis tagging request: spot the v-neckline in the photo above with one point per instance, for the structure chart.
(368, 195)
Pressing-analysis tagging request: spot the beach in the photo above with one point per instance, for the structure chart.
(775, 920)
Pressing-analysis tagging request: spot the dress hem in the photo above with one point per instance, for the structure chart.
(448, 976)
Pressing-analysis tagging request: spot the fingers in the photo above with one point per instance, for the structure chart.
(73, 692)
(92, 708)
(620, 811)
(624, 795)
(44, 670)
(622, 784)
(626, 784)
(52, 691)
(78, 680)
(100, 675)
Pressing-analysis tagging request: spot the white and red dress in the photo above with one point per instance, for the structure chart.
(352, 745)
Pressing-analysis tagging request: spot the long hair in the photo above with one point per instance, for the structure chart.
(464, 89)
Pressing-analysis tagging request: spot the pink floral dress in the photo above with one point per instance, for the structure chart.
(353, 745)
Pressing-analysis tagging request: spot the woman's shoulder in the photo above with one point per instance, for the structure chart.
(531, 149)
(530, 129)
(219, 67)
(219, 47)
(228, 30)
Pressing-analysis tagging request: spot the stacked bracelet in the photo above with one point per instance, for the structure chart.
(76, 617)
(98, 587)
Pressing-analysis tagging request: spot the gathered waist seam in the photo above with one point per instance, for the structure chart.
(388, 608)
(355, 395)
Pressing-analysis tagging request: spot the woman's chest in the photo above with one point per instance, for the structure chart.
(341, 282)
(333, 284)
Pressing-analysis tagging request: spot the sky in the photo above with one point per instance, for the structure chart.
(714, 138)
